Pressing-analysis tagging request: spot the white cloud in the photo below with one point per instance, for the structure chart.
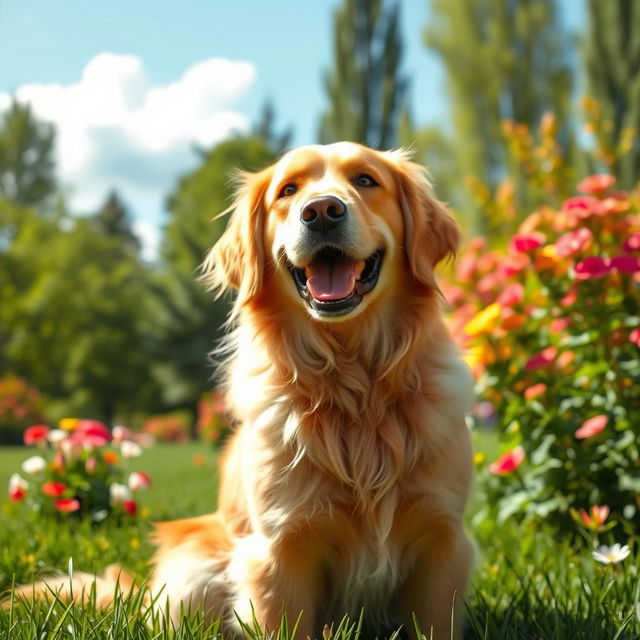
(116, 129)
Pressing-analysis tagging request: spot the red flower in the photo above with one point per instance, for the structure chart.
(596, 184)
(67, 505)
(625, 264)
(36, 434)
(632, 243)
(592, 426)
(514, 264)
(592, 267)
(570, 243)
(529, 242)
(54, 489)
(130, 507)
(507, 462)
(513, 294)
(543, 359)
(634, 337)
(599, 514)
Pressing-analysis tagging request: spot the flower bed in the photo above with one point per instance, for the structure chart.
(551, 326)
(82, 468)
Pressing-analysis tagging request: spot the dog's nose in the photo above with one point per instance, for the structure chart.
(323, 213)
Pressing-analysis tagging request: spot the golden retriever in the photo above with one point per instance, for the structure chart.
(344, 485)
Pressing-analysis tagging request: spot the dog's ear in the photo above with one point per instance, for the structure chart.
(431, 233)
(237, 260)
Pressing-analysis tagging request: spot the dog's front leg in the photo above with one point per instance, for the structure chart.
(271, 581)
(435, 589)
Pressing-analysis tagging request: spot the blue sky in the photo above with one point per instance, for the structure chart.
(274, 49)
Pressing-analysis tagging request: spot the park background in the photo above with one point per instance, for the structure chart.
(120, 125)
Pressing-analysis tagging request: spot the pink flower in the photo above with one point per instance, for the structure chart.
(37, 434)
(139, 480)
(514, 264)
(67, 505)
(592, 267)
(528, 242)
(634, 337)
(582, 207)
(507, 462)
(570, 299)
(53, 489)
(558, 325)
(632, 243)
(596, 184)
(592, 426)
(571, 243)
(596, 518)
(90, 433)
(513, 294)
(625, 264)
(543, 359)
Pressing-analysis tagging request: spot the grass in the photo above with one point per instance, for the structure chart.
(528, 584)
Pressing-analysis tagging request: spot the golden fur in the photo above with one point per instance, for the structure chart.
(345, 482)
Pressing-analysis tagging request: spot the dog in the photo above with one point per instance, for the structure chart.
(344, 485)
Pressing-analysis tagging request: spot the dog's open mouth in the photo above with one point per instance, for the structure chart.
(334, 283)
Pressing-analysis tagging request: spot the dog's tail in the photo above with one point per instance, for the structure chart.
(102, 589)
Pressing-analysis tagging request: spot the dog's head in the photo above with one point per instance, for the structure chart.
(333, 229)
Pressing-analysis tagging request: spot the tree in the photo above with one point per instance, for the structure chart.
(612, 65)
(113, 219)
(75, 319)
(365, 88)
(190, 319)
(505, 60)
(26, 157)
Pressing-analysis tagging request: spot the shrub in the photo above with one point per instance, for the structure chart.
(20, 406)
(552, 329)
(168, 427)
(81, 469)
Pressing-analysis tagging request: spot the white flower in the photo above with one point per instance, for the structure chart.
(34, 465)
(56, 436)
(120, 433)
(130, 449)
(17, 483)
(138, 480)
(119, 493)
(608, 555)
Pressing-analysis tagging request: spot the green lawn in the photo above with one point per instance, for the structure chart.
(528, 584)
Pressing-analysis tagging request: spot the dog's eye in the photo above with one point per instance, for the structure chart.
(288, 190)
(365, 180)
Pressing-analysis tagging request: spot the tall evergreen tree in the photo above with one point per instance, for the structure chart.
(365, 87)
(505, 59)
(612, 64)
(26, 156)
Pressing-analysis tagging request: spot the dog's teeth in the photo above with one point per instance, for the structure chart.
(360, 265)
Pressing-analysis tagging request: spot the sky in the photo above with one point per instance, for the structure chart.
(131, 86)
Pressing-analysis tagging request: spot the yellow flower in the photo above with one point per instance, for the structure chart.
(68, 424)
(483, 321)
(479, 458)
(135, 543)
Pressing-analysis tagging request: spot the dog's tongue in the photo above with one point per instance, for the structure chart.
(331, 280)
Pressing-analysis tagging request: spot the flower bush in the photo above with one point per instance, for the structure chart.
(551, 326)
(168, 427)
(20, 406)
(81, 468)
(213, 423)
